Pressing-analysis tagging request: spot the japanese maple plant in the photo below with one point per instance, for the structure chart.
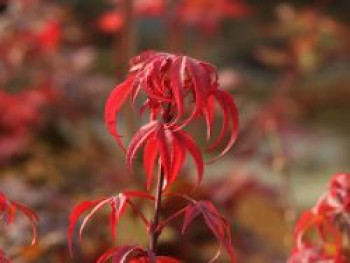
(165, 83)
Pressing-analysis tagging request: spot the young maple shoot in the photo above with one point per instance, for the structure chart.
(165, 81)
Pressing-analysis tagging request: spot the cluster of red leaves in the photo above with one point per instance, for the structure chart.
(211, 216)
(118, 205)
(319, 232)
(170, 144)
(19, 114)
(167, 80)
(20, 42)
(8, 210)
(27, 40)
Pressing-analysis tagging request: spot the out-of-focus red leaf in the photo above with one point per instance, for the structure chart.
(78, 210)
(313, 255)
(8, 210)
(214, 220)
(11, 145)
(3, 258)
(328, 222)
(32, 216)
(308, 247)
(149, 7)
(20, 113)
(117, 203)
(305, 222)
(49, 37)
(111, 22)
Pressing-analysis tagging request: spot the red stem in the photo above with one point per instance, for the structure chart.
(155, 232)
(157, 208)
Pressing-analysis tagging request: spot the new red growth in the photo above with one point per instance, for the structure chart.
(164, 83)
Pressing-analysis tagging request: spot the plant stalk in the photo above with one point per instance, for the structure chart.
(155, 232)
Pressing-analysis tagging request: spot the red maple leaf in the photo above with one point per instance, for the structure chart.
(214, 220)
(111, 22)
(117, 204)
(171, 145)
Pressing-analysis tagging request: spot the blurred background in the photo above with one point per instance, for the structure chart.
(285, 62)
